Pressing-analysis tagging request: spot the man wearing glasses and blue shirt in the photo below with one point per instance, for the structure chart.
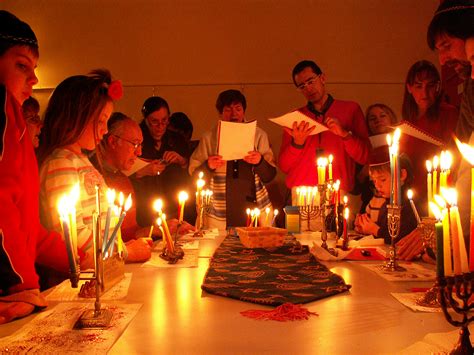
(347, 138)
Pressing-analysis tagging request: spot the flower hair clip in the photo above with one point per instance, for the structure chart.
(115, 90)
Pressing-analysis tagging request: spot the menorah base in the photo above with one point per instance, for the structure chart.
(429, 298)
(92, 319)
(463, 346)
(392, 266)
(172, 257)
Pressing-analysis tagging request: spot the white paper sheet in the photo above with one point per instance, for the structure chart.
(139, 164)
(236, 139)
(296, 116)
(379, 140)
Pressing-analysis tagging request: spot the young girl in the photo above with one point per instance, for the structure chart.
(75, 122)
(374, 221)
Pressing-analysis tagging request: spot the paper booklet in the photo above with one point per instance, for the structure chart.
(379, 140)
(235, 139)
(296, 116)
(139, 164)
(412, 130)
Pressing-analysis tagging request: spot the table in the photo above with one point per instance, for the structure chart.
(178, 318)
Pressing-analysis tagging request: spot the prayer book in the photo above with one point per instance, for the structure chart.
(296, 116)
(412, 130)
(235, 139)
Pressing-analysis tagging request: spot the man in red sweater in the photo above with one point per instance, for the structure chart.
(347, 138)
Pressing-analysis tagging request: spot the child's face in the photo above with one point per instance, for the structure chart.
(88, 139)
(17, 71)
(381, 181)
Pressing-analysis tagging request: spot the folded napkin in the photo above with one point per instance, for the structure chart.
(365, 254)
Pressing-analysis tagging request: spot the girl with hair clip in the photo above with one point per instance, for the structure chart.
(75, 121)
(423, 107)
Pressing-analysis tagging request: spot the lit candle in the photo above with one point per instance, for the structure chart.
(435, 175)
(63, 210)
(413, 207)
(110, 243)
(448, 266)
(330, 166)
(430, 186)
(398, 190)
(252, 217)
(324, 164)
(442, 167)
(257, 216)
(110, 199)
(247, 224)
(169, 240)
(169, 243)
(182, 197)
(275, 214)
(199, 185)
(468, 154)
(439, 239)
(346, 218)
(315, 201)
(459, 246)
(267, 212)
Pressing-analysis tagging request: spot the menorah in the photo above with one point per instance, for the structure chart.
(308, 212)
(455, 292)
(203, 207)
(427, 230)
(323, 206)
(394, 212)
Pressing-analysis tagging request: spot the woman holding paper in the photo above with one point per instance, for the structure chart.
(424, 108)
(237, 184)
(169, 151)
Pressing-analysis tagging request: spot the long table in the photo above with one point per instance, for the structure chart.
(177, 317)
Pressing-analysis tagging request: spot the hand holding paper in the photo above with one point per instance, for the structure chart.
(288, 119)
(236, 140)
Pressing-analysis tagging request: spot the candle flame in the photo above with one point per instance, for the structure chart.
(345, 199)
(440, 201)
(158, 205)
(436, 211)
(450, 196)
(163, 217)
(110, 196)
(389, 140)
(257, 212)
(267, 210)
(330, 158)
(159, 221)
(201, 175)
(435, 162)
(182, 196)
(128, 203)
(75, 193)
(275, 212)
(200, 183)
(410, 194)
(466, 150)
(247, 211)
(428, 166)
(396, 136)
(121, 198)
(116, 210)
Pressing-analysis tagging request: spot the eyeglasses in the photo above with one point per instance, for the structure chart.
(157, 123)
(135, 145)
(309, 82)
(34, 119)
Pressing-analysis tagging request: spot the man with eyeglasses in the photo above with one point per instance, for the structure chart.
(347, 138)
(119, 150)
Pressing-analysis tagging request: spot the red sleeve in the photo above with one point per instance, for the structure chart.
(358, 144)
(17, 261)
(289, 154)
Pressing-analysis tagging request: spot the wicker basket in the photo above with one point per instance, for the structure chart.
(261, 237)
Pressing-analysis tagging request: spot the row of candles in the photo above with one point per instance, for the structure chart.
(311, 196)
(444, 162)
(115, 215)
(323, 163)
(253, 217)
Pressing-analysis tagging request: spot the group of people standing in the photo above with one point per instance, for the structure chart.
(84, 142)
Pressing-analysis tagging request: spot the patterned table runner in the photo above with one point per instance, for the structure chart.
(271, 277)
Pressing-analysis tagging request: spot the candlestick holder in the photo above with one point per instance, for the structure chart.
(427, 230)
(323, 206)
(203, 207)
(455, 292)
(394, 212)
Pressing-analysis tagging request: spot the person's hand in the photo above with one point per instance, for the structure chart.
(410, 246)
(366, 226)
(138, 250)
(253, 157)
(13, 310)
(335, 127)
(171, 157)
(300, 132)
(215, 162)
(185, 226)
(156, 167)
